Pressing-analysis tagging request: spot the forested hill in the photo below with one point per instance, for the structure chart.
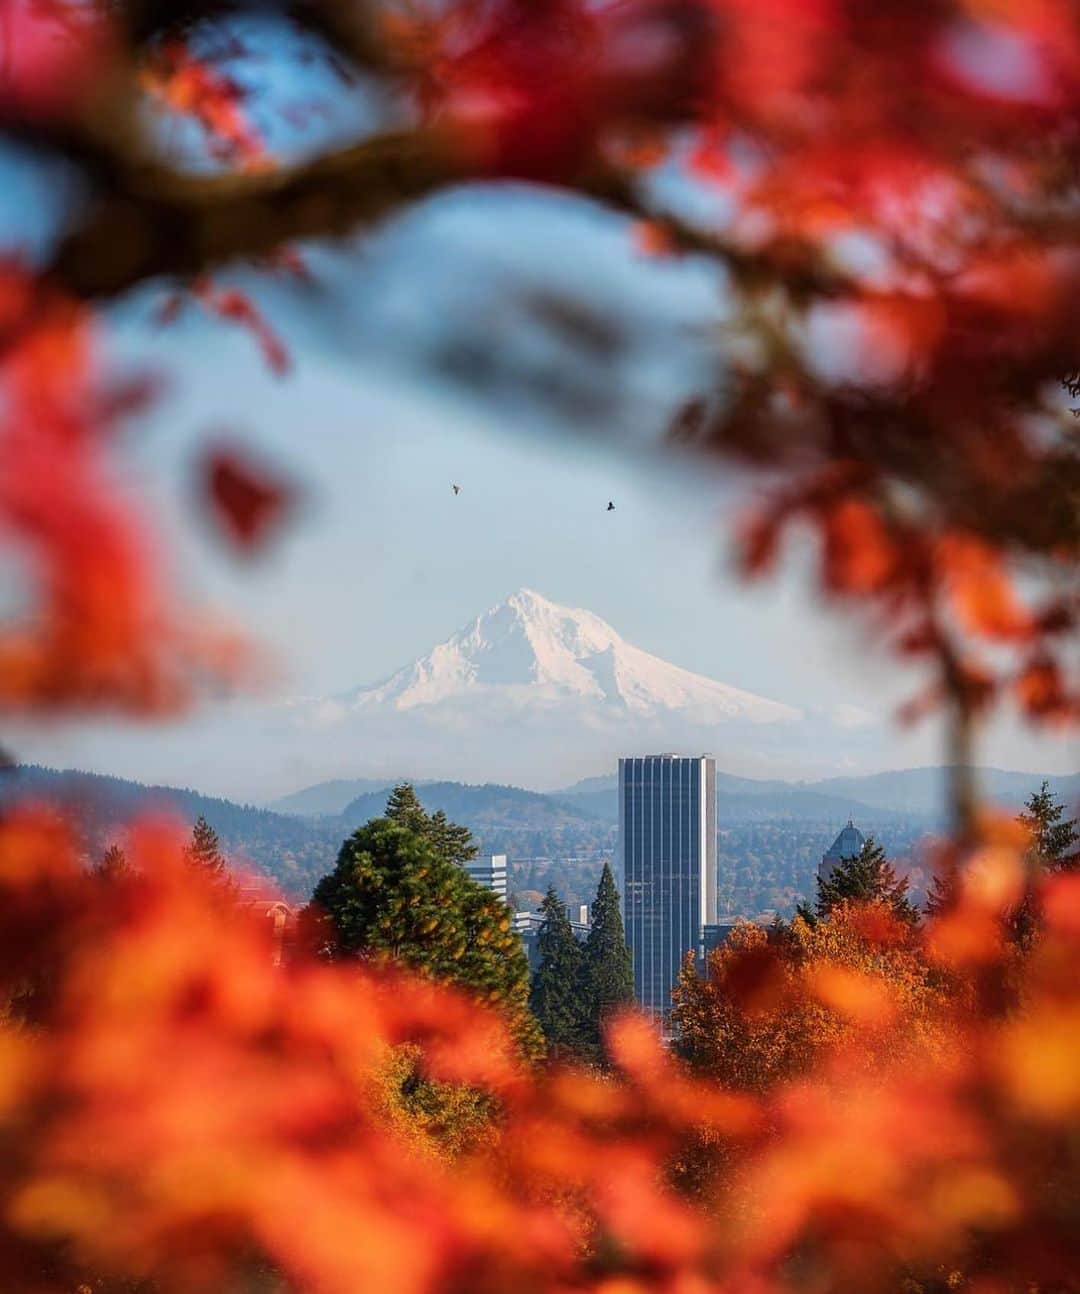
(294, 851)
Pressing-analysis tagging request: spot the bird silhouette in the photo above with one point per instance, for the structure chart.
(610, 506)
(456, 489)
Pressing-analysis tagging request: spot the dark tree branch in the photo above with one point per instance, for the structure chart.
(152, 221)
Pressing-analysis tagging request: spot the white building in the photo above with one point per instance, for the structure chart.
(491, 873)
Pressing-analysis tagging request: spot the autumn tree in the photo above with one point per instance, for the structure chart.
(393, 896)
(607, 978)
(556, 994)
(771, 1007)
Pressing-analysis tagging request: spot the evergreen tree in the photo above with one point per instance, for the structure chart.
(404, 808)
(204, 849)
(451, 841)
(555, 996)
(1052, 838)
(940, 895)
(392, 894)
(113, 863)
(454, 842)
(867, 877)
(607, 974)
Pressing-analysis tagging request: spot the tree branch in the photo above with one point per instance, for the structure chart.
(151, 221)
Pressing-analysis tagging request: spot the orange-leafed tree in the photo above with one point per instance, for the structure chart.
(774, 1005)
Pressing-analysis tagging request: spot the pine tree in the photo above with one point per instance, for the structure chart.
(393, 895)
(204, 849)
(452, 842)
(113, 863)
(940, 896)
(867, 877)
(607, 973)
(555, 996)
(404, 808)
(1051, 837)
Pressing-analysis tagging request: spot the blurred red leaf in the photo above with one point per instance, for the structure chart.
(246, 500)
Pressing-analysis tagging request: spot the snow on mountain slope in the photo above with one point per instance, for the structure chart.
(529, 653)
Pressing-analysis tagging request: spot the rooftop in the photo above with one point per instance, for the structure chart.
(848, 843)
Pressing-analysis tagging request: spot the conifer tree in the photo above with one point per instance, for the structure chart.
(1052, 838)
(555, 996)
(607, 974)
(452, 842)
(204, 849)
(113, 863)
(940, 895)
(866, 878)
(403, 807)
(393, 895)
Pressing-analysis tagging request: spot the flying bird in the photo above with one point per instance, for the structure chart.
(610, 506)
(456, 489)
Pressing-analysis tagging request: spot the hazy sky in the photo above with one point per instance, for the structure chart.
(384, 561)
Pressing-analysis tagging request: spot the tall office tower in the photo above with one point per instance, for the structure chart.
(491, 873)
(667, 841)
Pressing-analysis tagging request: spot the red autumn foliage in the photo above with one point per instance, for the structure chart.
(190, 86)
(246, 501)
(98, 631)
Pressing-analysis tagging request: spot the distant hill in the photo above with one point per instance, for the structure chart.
(293, 851)
(724, 782)
(787, 804)
(327, 799)
(482, 808)
(910, 791)
(922, 790)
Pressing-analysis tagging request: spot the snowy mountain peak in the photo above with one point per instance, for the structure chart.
(529, 653)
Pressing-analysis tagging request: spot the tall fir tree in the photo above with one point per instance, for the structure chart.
(1053, 836)
(555, 996)
(392, 894)
(940, 895)
(113, 864)
(1051, 848)
(607, 977)
(1052, 842)
(451, 841)
(454, 842)
(204, 849)
(868, 877)
(403, 807)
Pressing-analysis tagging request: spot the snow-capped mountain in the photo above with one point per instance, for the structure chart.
(530, 655)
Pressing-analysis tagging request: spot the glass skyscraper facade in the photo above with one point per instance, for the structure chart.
(667, 844)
